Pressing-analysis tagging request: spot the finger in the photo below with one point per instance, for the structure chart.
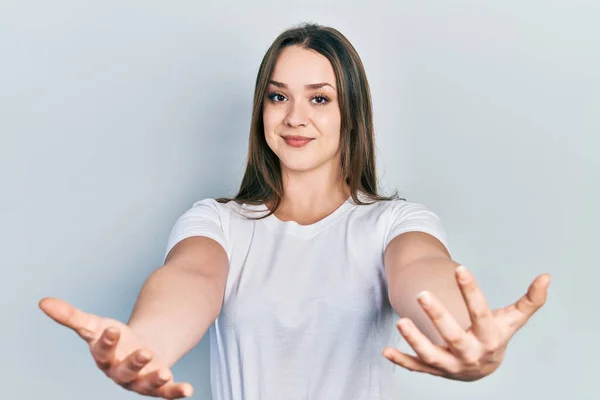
(155, 379)
(482, 320)
(459, 342)
(128, 370)
(149, 383)
(426, 351)
(104, 349)
(409, 362)
(67, 315)
(175, 390)
(526, 306)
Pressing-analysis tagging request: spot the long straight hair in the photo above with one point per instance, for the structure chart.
(262, 181)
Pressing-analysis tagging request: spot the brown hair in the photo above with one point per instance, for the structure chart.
(262, 180)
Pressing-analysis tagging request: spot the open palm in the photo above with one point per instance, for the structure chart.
(473, 353)
(118, 352)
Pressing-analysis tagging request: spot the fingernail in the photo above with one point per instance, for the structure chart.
(424, 297)
(402, 323)
(461, 271)
(142, 357)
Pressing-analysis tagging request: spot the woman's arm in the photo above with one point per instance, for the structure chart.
(417, 261)
(443, 345)
(181, 299)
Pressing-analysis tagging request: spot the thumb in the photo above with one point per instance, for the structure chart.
(520, 312)
(67, 315)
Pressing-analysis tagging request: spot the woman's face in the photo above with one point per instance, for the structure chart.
(301, 100)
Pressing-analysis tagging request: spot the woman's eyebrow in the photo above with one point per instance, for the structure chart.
(310, 86)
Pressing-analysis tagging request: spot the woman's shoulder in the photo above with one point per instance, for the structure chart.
(371, 204)
(227, 207)
(392, 209)
(215, 204)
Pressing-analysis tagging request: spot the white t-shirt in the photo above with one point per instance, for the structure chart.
(306, 313)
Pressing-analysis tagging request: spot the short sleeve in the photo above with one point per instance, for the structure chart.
(409, 216)
(203, 219)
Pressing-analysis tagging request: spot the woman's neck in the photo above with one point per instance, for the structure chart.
(312, 194)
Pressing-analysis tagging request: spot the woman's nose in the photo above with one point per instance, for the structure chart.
(296, 115)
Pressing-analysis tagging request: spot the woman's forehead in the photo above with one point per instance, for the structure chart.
(297, 67)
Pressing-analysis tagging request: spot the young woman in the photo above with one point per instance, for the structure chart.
(298, 277)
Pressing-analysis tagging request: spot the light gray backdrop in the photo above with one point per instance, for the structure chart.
(116, 115)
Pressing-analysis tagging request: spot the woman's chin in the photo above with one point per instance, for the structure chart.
(296, 166)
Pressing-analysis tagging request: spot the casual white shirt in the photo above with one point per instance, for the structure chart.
(306, 313)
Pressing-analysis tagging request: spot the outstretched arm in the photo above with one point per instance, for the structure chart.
(445, 316)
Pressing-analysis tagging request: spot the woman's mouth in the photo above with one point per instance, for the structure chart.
(296, 141)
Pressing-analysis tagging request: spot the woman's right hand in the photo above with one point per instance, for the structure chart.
(118, 352)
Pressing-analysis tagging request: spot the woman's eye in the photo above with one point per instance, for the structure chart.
(276, 97)
(321, 99)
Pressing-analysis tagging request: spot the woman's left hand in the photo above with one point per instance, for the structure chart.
(477, 352)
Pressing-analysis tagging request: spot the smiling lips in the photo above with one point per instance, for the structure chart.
(296, 141)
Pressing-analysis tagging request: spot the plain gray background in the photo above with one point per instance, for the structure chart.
(115, 116)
